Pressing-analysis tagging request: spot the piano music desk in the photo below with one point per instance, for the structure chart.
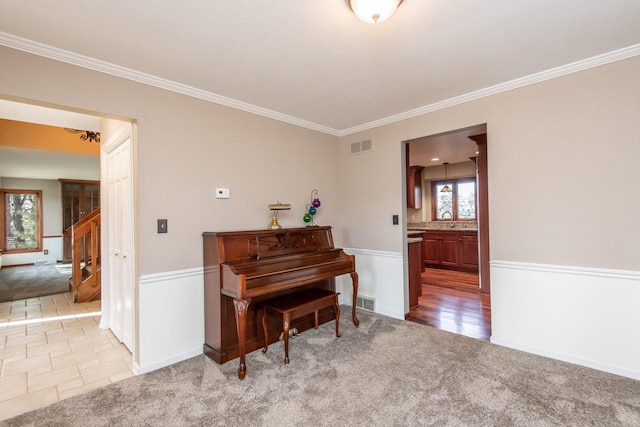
(294, 306)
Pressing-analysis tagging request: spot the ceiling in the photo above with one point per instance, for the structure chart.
(311, 62)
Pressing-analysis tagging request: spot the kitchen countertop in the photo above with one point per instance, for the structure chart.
(414, 240)
(442, 226)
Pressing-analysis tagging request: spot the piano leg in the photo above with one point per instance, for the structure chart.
(240, 307)
(354, 284)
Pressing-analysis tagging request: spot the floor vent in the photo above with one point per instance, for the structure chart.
(45, 262)
(366, 303)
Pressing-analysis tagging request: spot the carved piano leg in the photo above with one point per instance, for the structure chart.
(285, 336)
(240, 307)
(354, 283)
(337, 306)
(264, 331)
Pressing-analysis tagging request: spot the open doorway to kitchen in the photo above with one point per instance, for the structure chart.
(448, 231)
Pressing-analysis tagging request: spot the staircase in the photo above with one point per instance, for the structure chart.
(85, 283)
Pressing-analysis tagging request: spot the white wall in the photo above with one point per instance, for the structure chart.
(580, 315)
(187, 147)
(554, 150)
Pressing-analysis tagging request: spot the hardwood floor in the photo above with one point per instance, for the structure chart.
(451, 301)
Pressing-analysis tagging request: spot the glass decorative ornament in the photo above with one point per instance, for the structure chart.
(312, 209)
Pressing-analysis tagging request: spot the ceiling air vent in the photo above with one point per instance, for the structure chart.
(361, 146)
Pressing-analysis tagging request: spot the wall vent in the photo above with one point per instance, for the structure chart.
(355, 148)
(366, 303)
(361, 146)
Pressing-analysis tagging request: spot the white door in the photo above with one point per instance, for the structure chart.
(120, 241)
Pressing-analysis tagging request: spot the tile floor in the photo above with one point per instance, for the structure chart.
(51, 349)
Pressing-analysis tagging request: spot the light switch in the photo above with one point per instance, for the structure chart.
(162, 226)
(222, 193)
(395, 219)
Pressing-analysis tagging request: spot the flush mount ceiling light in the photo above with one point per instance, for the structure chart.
(373, 11)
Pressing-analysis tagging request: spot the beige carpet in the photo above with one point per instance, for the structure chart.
(385, 373)
(30, 281)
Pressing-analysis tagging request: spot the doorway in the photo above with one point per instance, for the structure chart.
(52, 165)
(447, 210)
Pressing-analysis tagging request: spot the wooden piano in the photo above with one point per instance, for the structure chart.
(242, 268)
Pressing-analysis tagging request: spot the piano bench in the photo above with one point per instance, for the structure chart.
(296, 305)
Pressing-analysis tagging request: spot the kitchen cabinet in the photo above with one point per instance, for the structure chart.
(453, 249)
(468, 250)
(414, 187)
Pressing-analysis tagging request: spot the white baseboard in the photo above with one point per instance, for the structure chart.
(582, 315)
(137, 370)
(380, 275)
(570, 359)
(170, 318)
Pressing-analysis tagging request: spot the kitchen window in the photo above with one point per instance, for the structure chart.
(459, 204)
(21, 221)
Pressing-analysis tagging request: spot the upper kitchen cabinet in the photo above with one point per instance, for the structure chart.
(414, 187)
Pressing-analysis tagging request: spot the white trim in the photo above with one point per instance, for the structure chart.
(29, 46)
(574, 67)
(369, 252)
(170, 275)
(562, 269)
(548, 310)
(566, 358)
(137, 370)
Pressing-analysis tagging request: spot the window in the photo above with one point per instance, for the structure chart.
(459, 204)
(21, 221)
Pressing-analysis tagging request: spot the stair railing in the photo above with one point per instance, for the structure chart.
(85, 246)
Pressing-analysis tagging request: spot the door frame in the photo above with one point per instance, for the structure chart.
(482, 200)
(122, 134)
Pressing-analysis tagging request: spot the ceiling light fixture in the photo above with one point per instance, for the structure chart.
(373, 11)
(446, 188)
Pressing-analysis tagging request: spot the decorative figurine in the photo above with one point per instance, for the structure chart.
(312, 209)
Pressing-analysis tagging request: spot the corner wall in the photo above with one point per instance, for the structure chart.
(554, 150)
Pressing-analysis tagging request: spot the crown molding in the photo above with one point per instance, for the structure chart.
(574, 67)
(51, 52)
(61, 55)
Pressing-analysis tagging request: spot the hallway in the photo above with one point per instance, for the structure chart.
(51, 349)
(452, 302)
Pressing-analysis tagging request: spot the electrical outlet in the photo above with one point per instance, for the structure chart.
(162, 226)
(46, 251)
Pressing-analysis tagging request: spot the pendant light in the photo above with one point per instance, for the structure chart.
(446, 188)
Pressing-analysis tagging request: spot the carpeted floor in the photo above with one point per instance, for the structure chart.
(32, 281)
(385, 373)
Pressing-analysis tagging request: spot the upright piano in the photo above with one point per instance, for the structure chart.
(243, 268)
